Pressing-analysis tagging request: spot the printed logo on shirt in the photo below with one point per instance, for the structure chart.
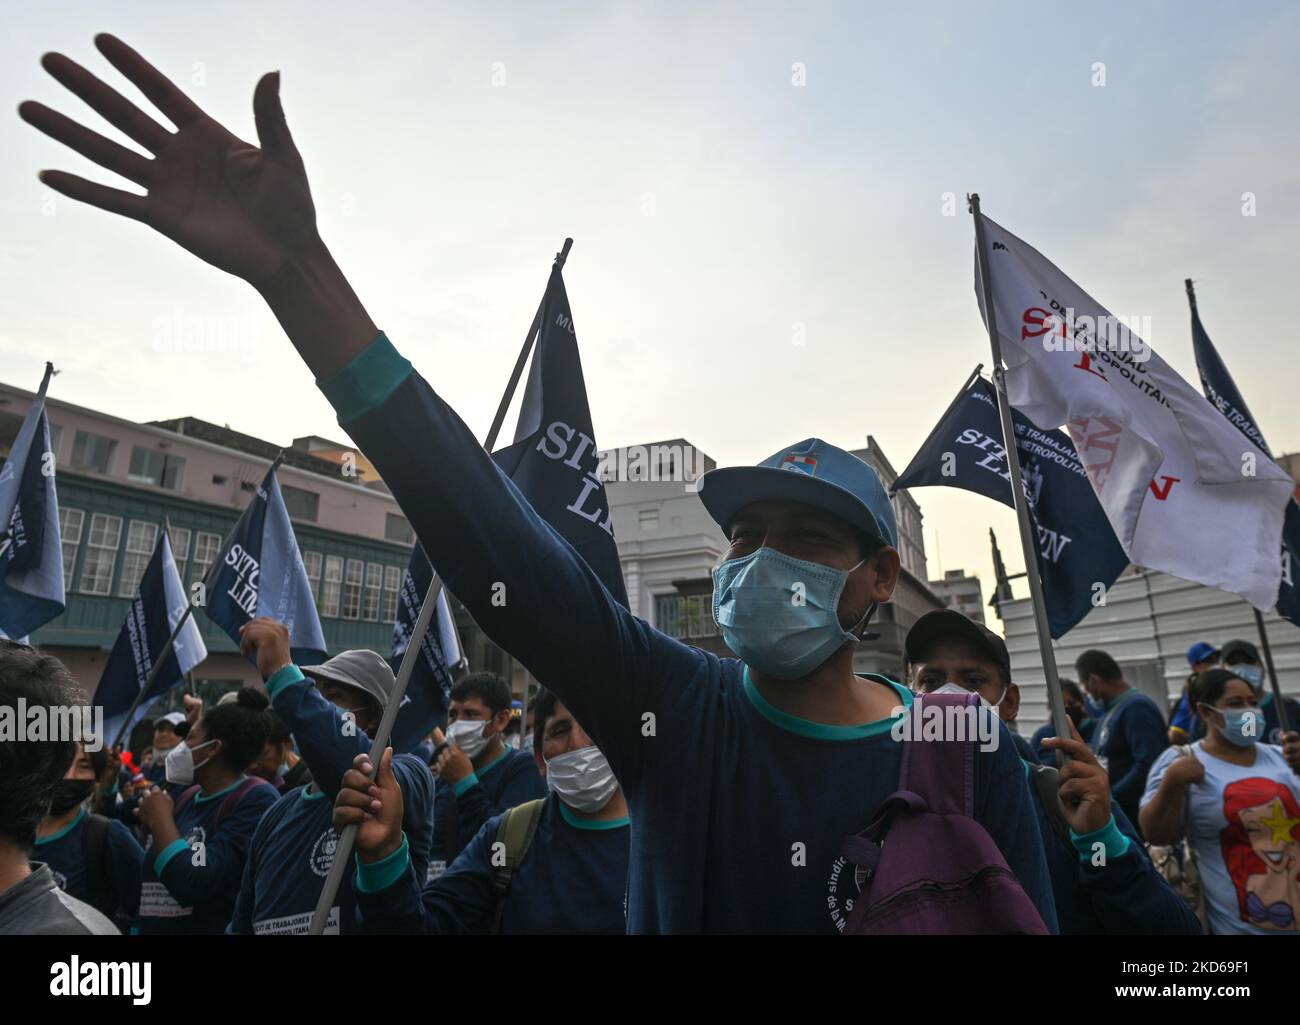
(842, 889)
(157, 902)
(296, 925)
(197, 835)
(322, 852)
(60, 880)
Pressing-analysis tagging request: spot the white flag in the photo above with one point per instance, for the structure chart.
(1185, 492)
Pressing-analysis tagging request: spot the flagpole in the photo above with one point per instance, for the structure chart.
(180, 625)
(347, 840)
(153, 673)
(1055, 701)
(1282, 718)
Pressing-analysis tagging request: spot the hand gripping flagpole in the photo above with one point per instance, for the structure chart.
(1060, 721)
(343, 852)
(176, 631)
(1259, 618)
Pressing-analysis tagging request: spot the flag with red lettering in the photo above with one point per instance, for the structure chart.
(1184, 491)
(554, 460)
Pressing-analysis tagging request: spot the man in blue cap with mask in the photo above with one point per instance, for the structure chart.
(1183, 724)
(743, 776)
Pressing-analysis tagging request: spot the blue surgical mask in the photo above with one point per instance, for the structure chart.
(1093, 707)
(1253, 675)
(779, 613)
(1242, 726)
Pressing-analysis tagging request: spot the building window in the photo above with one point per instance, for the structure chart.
(149, 466)
(56, 436)
(311, 562)
(686, 616)
(301, 505)
(392, 584)
(180, 542)
(329, 605)
(374, 584)
(93, 452)
(649, 519)
(140, 540)
(352, 589)
(101, 554)
(206, 547)
(398, 528)
(70, 524)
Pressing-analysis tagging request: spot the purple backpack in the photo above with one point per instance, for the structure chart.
(929, 867)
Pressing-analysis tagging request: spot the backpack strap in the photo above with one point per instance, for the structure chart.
(94, 855)
(233, 798)
(1047, 781)
(931, 767)
(515, 831)
(183, 802)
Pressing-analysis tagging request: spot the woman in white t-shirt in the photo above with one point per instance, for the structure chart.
(1237, 802)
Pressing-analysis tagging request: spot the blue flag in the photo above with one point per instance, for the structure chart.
(1077, 548)
(1221, 390)
(260, 572)
(554, 459)
(31, 554)
(155, 611)
(428, 692)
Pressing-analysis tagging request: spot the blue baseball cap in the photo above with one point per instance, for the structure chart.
(1201, 652)
(814, 473)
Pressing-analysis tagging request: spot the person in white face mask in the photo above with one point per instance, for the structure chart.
(478, 774)
(565, 856)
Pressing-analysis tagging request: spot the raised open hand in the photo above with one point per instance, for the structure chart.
(243, 209)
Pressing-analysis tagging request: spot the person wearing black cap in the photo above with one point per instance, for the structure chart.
(944, 628)
(1241, 658)
(1102, 880)
(744, 776)
(330, 709)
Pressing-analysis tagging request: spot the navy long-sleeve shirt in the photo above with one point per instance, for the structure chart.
(510, 779)
(739, 810)
(190, 885)
(63, 852)
(1121, 893)
(572, 880)
(1128, 738)
(293, 848)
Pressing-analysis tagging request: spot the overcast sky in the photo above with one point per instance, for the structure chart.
(722, 213)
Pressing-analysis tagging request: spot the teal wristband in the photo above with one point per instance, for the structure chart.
(367, 381)
(465, 784)
(282, 678)
(380, 875)
(167, 853)
(1114, 842)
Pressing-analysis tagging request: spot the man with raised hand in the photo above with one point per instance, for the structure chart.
(744, 777)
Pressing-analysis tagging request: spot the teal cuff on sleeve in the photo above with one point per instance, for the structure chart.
(367, 381)
(167, 853)
(282, 678)
(380, 875)
(1114, 841)
(464, 784)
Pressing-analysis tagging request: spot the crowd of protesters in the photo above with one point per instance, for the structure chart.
(667, 789)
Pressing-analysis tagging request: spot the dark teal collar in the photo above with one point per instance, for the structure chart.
(64, 831)
(823, 731)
